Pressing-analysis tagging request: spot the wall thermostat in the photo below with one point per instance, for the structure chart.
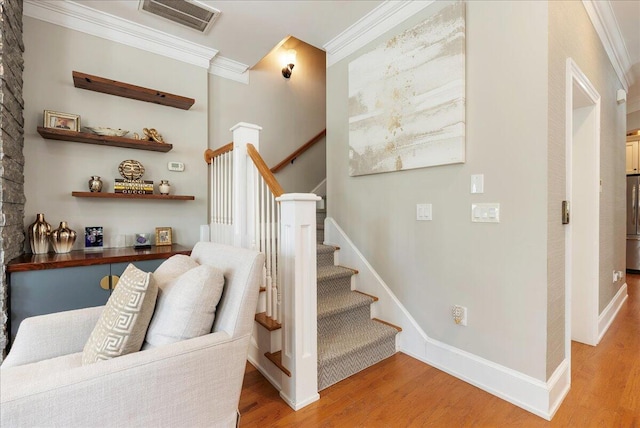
(175, 166)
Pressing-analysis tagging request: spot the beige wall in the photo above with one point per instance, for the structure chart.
(571, 34)
(633, 120)
(54, 169)
(290, 111)
(498, 271)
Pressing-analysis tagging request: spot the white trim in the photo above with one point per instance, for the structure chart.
(389, 308)
(256, 357)
(79, 17)
(100, 24)
(536, 396)
(575, 75)
(611, 311)
(320, 186)
(230, 69)
(380, 20)
(606, 25)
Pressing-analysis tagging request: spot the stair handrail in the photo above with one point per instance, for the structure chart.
(300, 150)
(211, 154)
(264, 171)
(282, 225)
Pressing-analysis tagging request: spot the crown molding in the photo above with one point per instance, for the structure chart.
(606, 25)
(380, 20)
(81, 18)
(230, 69)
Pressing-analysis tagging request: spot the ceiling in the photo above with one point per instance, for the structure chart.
(248, 30)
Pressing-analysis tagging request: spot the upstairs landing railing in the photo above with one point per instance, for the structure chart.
(248, 208)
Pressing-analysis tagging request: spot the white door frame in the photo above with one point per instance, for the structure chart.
(589, 99)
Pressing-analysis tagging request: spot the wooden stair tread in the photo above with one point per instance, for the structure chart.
(276, 358)
(267, 322)
(375, 298)
(387, 323)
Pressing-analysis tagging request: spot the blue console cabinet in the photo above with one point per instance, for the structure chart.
(50, 283)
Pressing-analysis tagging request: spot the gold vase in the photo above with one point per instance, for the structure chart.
(63, 238)
(39, 235)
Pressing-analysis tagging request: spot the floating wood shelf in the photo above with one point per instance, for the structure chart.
(105, 195)
(102, 140)
(126, 90)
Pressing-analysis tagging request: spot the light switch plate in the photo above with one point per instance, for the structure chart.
(485, 213)
(477, 183)
(423, 212)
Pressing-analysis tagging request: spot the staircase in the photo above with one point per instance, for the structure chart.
(349, 340)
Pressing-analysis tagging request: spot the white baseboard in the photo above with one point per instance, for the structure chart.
(536, 396)
(611, 311)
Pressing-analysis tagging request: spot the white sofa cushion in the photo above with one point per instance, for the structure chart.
(123, 323)
(172, 268)
(186, 306)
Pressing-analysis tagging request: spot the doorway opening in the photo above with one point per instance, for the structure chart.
(582, 243)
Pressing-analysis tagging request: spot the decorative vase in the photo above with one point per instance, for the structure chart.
(164, 187)
(62, 238)
(95, 184)
(39, 235)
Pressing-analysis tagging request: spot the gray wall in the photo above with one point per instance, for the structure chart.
(56, 168)
(498, 271)
(11, 144)
(571, 34)
(290, 111)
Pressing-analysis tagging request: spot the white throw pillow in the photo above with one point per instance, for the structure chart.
(172, 268)
(123, 323)
(186, 307)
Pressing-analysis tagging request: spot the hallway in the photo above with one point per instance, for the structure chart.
(403, 392)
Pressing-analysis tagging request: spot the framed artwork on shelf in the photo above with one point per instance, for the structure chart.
(163, 236)
(93, 237)
(54, 119)
(141, 240)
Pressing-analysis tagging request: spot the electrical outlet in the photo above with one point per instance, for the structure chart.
(459, 314)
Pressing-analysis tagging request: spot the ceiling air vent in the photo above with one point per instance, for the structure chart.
(190, 13)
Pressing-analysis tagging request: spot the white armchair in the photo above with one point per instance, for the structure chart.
(192, 383)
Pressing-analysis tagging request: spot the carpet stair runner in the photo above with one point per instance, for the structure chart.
(348, 339)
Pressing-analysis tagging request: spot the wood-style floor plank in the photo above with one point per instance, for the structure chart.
(404, 392)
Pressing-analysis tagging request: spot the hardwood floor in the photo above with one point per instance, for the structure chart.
(404, 392)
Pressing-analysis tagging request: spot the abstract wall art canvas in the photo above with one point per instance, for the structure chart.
(407, 98)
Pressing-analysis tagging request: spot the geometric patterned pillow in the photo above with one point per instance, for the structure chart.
(125, 318)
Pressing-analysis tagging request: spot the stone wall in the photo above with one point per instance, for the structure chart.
(12, 197)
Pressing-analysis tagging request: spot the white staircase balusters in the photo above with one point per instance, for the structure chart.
(248, 209)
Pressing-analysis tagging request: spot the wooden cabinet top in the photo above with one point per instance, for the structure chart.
(29, 262)
(126, 90)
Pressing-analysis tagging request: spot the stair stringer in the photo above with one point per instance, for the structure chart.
(256, 355)
(536, 396)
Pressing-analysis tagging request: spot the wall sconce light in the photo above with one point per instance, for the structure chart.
(290, 62)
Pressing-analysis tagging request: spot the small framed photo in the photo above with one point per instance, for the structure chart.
(54, 119)
(93, 237)
(141, 240)
(163, 236)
